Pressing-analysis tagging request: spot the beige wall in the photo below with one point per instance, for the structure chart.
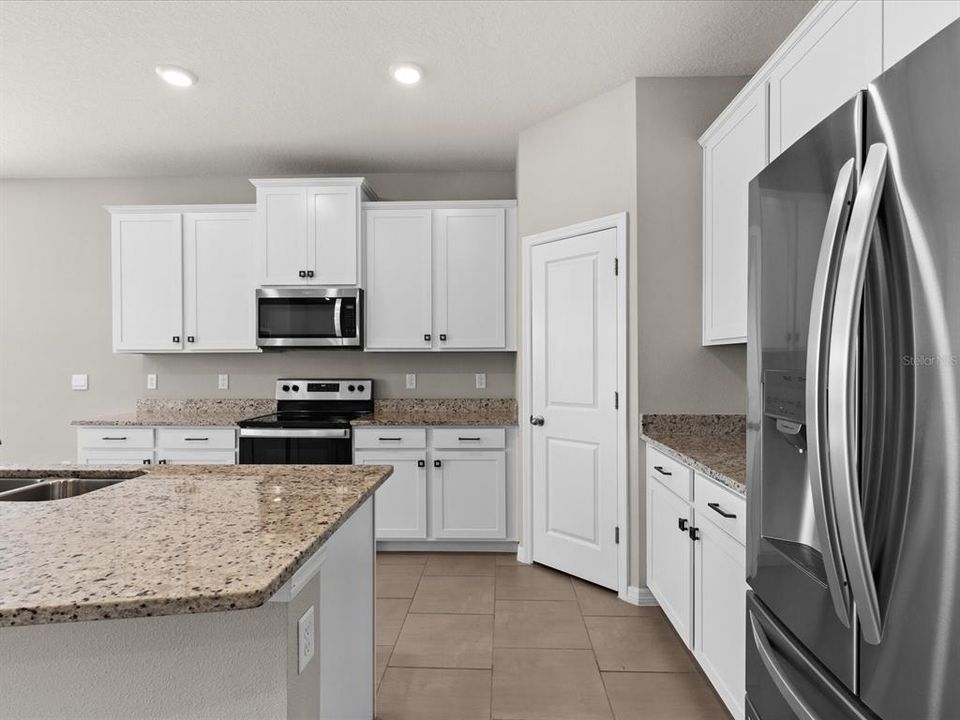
(55, 313)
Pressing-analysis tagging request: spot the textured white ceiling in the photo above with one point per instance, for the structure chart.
(300, 87)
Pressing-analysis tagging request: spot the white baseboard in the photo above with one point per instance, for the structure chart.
(523, 554)
(498, 546)
(639, 596)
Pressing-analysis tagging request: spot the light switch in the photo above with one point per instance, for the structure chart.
(151, 381)
(78, 382)
(305, 640)
(411, 381)
(481, 379)
(223, 381)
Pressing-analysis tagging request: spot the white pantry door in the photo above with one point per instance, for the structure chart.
(574, 379)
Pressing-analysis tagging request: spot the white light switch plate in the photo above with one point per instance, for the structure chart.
(481, 380)
(305, 639)
(151, 381)
(411, 381)
(223, 381)
(78, 382)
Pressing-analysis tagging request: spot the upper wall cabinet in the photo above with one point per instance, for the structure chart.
(308, 230)
(440, 276)
(908, 23)
(732, 156)
(183, 279)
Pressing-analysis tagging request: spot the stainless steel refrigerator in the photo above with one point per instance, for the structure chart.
(854, 407)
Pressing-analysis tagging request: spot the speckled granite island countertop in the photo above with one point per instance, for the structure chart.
(715, 445)
(170, 540)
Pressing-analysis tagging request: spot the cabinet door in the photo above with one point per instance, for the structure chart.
(730, 160)
(468, 498)
(907, 24)
(670, 557)
(839, 55)
(334, 234)
(720, 609)
(469, 264)
(398, 269)
(115, 457)
(401, 502)
(219, 289)
(196, 457)
(147, 282)
(282, 235)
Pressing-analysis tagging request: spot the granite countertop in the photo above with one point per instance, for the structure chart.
(171, 539)
(447, 411)
(187, 413)
(715, 445)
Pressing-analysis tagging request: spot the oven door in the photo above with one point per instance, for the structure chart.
(309, 317)
(301, 446)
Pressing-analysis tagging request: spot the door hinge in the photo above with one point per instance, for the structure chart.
(616, 266)
(616, 535)
(616, 400)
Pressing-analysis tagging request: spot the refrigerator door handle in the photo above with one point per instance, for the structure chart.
(789, 693)
(821, 313)
(842, 396)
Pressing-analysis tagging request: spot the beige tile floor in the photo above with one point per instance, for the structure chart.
(479, 636)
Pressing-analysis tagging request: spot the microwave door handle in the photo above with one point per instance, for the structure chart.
(818, 464)
(337, 308)
(843, 396)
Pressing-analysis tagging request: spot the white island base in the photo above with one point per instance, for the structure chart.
(237, 664)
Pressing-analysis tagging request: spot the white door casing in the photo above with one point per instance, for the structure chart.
(574, 378)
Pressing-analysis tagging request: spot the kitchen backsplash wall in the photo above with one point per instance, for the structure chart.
(55, 312)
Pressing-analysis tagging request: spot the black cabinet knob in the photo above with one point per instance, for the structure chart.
(421, 463)
(694, 533)
(682, 524)
(302, 273)
(426, 337)
(436, 463)
(189, 338)
(176, 338)
(443, 337)
(309, 273)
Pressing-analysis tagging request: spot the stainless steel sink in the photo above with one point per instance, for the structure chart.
(40, 489)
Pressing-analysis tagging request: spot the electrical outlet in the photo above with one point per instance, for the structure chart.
(223, 381)
(481, 379)
(78, 382)
(411, 381)
(151, 381)
(305, 639)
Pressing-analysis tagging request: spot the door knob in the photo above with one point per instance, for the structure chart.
(536, 420)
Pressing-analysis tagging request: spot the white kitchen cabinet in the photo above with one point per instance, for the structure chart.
(670, 556)
(146, 250)
(732, 155)
(720, 609)
(308, 230)
(907, 24)
(126, 445)
(469, 494)
(398, 279)
(440, 276)
(196, 457)
(115, 457)
(401, 502)
(219, 297)
(469, 274)
(836, 57)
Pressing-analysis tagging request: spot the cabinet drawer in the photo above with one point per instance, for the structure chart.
(672, 473)
(111, 436)
(197, 457)
(389, 437)
(467, 438)
(716, 503)
(196, 438)
(115, 457)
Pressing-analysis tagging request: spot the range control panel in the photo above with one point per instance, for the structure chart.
(318, 389)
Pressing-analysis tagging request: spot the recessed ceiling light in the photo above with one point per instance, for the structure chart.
(406, 73)
(176, 76)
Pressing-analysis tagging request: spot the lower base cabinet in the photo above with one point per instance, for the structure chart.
(670, 556)
(401, 502)
(125, 445)
(469, 494)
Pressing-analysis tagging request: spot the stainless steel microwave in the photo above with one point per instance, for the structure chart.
(316, 317)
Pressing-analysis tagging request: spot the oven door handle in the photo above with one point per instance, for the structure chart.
(294, 433)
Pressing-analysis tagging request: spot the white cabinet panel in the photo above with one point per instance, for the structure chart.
(115, 437)
(469, 272)
(115, 457)
(398, 279)
(671, 473)
(732, 157)
(282, 235)
(219, 287)
(389, 438)
(147, 282)
(196, 457)
(468, 498)
(907, 24)
(469, 438)
(720, 602)
(334, 234)
(197, 438)
(839, 55)
(401, 502)
(670, 557)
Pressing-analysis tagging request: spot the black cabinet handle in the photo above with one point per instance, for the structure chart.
(197, 439)
(392, 439)
(421, 463)
(716, 508)
(659, 469)
(443, 337)
(694, 533)
(114, 438)
(426, 337)
(474, 439)
(190, 338)
(146, 462)
(309, 273)
(176, 338)
(436, 463)
(302, 273)
(161, 462)
(682, 524)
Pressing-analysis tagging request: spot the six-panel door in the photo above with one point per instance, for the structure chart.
(401, 502)
(670, 557)
(147, 282)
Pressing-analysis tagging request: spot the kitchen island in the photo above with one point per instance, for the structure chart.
(195, 579)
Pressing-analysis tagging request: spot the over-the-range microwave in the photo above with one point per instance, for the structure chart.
(310, 317)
